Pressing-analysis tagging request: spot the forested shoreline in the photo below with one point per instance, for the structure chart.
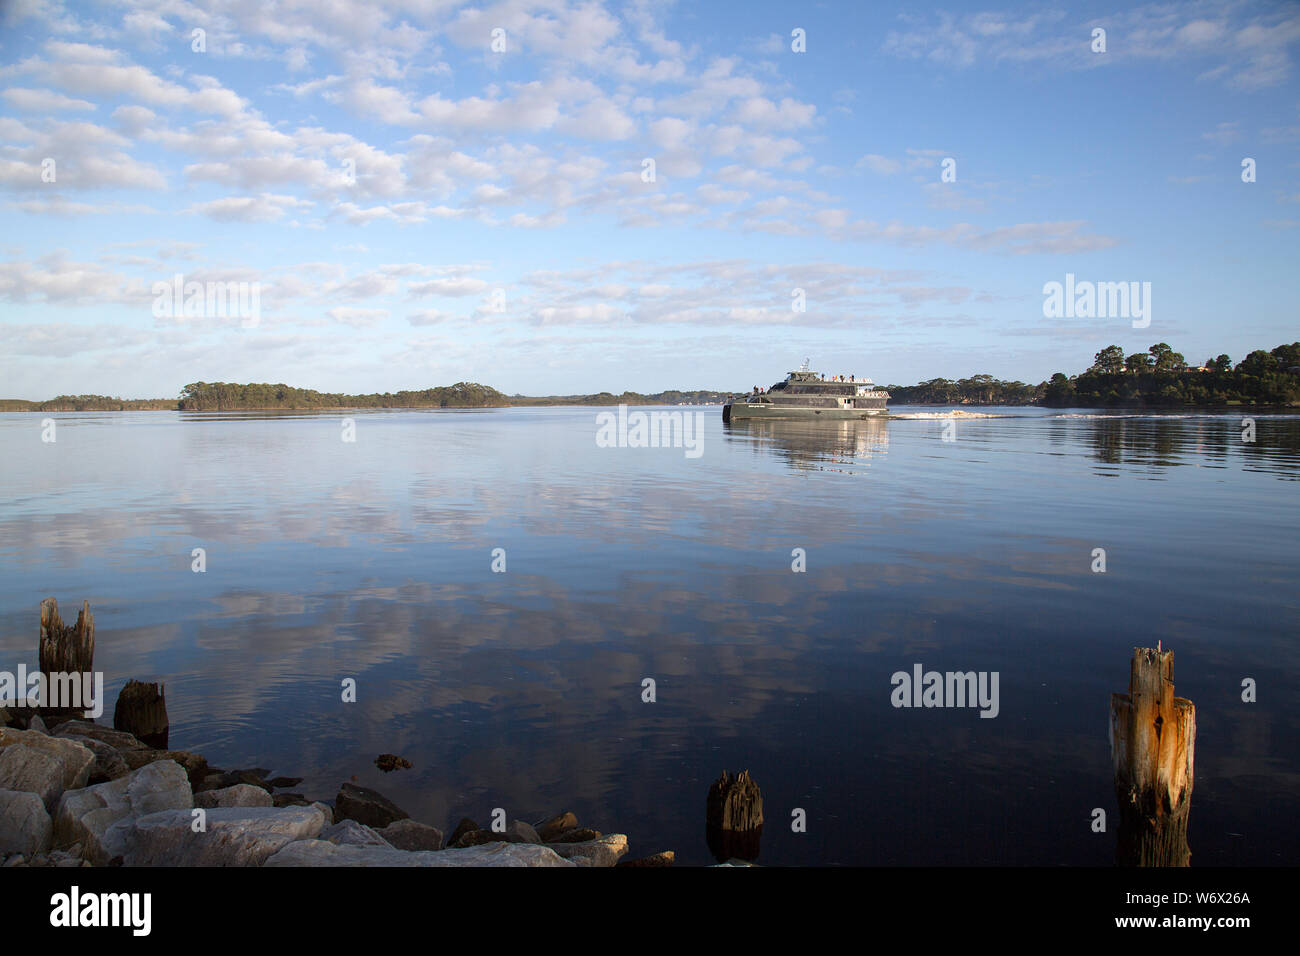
(1158, 377)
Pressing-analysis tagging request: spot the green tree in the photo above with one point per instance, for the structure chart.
(1109, 360)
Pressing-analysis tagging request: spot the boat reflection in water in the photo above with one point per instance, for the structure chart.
(843, 446)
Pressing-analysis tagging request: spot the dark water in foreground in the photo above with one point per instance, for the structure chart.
(372, 560)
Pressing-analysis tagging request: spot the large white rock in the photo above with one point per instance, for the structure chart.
(322, 853)
(75, 759)
(25, 827)
(233, 836)
(33, 771)
(88, 816)
(240, 795)
(602, 852)
(353, 834)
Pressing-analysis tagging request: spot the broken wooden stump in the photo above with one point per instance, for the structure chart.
(734, 817)
(1152, 744)
(64, 649)
(142, 710)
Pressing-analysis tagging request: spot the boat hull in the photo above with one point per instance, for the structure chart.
(738, 411)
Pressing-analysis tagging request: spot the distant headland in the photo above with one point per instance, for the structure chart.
(1158, 377)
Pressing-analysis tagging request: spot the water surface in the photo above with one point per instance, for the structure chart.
(372, 560)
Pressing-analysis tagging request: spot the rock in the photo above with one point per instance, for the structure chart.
(409, 835)
(116, 739)
(390, 762)
(5, 720)
(602, 852)
(240, 795)
(26, 769)
(234, 836)
(326, 809)
(366, 806)
(38, 725)
(88, 816)
(577, 835)
(519, 832)
(666, 858)
(280, 783)
(108, 765)
(549, 829)
(323, 853)
(466, 825)
(351, 833)
(196, 766)
(75, 759)
(478, 838)
(25, 826)
(292, 800)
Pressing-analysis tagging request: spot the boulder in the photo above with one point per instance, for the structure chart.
(466, 825)
(351, 833)
(240, 795)
(577, 835)
(409, 835)
(666, 858)
(38, 725)
(602, 852)
(283, 783)
(233, 836)
(366, 806)
(116, 739)
(108, 764)
(323, 853)
(75, 759)
(88, 816)
(549, 829)
(196, 766)
(26, 769)
(478, 838)
(517, 831)
(25, 826)
(290, 800)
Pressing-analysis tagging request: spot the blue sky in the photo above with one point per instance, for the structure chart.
(498, 227)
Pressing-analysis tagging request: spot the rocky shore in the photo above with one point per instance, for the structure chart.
(78, 793)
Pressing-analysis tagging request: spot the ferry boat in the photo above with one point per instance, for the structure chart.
(807, 395)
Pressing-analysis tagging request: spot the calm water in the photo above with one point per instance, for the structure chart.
(372, 560)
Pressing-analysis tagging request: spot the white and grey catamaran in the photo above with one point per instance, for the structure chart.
(806, 395)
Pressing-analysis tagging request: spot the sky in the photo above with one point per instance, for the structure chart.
(567, 197)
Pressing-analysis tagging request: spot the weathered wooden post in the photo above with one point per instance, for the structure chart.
(64, 650)
(1152, 744)
(734, 817)
(142, 710)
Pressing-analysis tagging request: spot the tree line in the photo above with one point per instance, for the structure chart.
(1158, 376)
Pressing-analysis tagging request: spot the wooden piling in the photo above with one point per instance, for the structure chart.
(1152, 742)
(142, 710)
(734, 817)
(66, 649)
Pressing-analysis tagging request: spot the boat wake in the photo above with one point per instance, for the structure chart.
(955, 413)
